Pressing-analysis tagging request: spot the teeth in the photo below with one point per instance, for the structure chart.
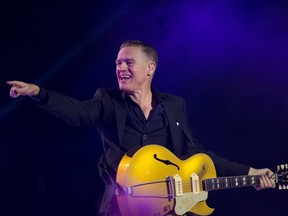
(125, 77)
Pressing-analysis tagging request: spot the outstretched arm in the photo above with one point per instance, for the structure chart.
(72, 110)
(19, 88)
(266, 180)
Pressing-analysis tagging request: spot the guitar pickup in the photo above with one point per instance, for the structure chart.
(178, 185)
(195, 183)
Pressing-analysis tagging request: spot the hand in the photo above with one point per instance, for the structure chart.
(21, 88)
(266, 180)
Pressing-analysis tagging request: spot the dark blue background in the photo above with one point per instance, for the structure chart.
(227, 58)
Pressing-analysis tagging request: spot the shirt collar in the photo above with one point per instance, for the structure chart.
(155, 94)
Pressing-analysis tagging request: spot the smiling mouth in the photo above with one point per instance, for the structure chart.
(124, 77)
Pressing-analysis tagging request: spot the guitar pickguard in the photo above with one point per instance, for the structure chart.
(187, 201)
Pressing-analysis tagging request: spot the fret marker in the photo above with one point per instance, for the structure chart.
(236, 182)
(244, 180)
(253, 180)
(218, 183)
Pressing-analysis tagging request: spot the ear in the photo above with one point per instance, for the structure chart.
(151, 68)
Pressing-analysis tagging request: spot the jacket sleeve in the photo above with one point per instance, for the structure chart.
(71, 110)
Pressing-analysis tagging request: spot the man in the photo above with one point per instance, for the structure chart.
(134, 115)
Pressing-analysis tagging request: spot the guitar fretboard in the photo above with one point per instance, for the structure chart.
(230, 182)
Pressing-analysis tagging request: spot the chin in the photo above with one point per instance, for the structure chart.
(125, 89)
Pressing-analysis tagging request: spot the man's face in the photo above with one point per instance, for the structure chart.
(133, 69)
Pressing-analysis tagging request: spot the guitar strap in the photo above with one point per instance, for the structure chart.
(108, 203)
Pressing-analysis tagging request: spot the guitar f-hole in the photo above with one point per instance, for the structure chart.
(167, 162)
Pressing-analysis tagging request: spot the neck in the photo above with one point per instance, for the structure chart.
(145, 100)
(142, 97)
(230, 182)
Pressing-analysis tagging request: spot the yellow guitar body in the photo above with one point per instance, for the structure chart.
(157, 183)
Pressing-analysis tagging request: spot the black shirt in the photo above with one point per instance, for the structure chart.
(139, 131)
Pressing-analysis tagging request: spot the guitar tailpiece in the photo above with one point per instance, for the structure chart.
(128, 190)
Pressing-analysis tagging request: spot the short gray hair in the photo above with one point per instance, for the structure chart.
(147, 49)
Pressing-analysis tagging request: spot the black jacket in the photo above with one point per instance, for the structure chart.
(107, 112)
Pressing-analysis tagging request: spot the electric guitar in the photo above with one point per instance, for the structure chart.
(154, 182)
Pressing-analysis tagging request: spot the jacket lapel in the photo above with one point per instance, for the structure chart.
(174, 128)
(120, 115)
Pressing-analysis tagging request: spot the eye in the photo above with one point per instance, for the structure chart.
(129, 63)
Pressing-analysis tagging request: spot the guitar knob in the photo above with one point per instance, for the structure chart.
(166, 208)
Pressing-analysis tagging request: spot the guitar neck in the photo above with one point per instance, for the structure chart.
(230, 182)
